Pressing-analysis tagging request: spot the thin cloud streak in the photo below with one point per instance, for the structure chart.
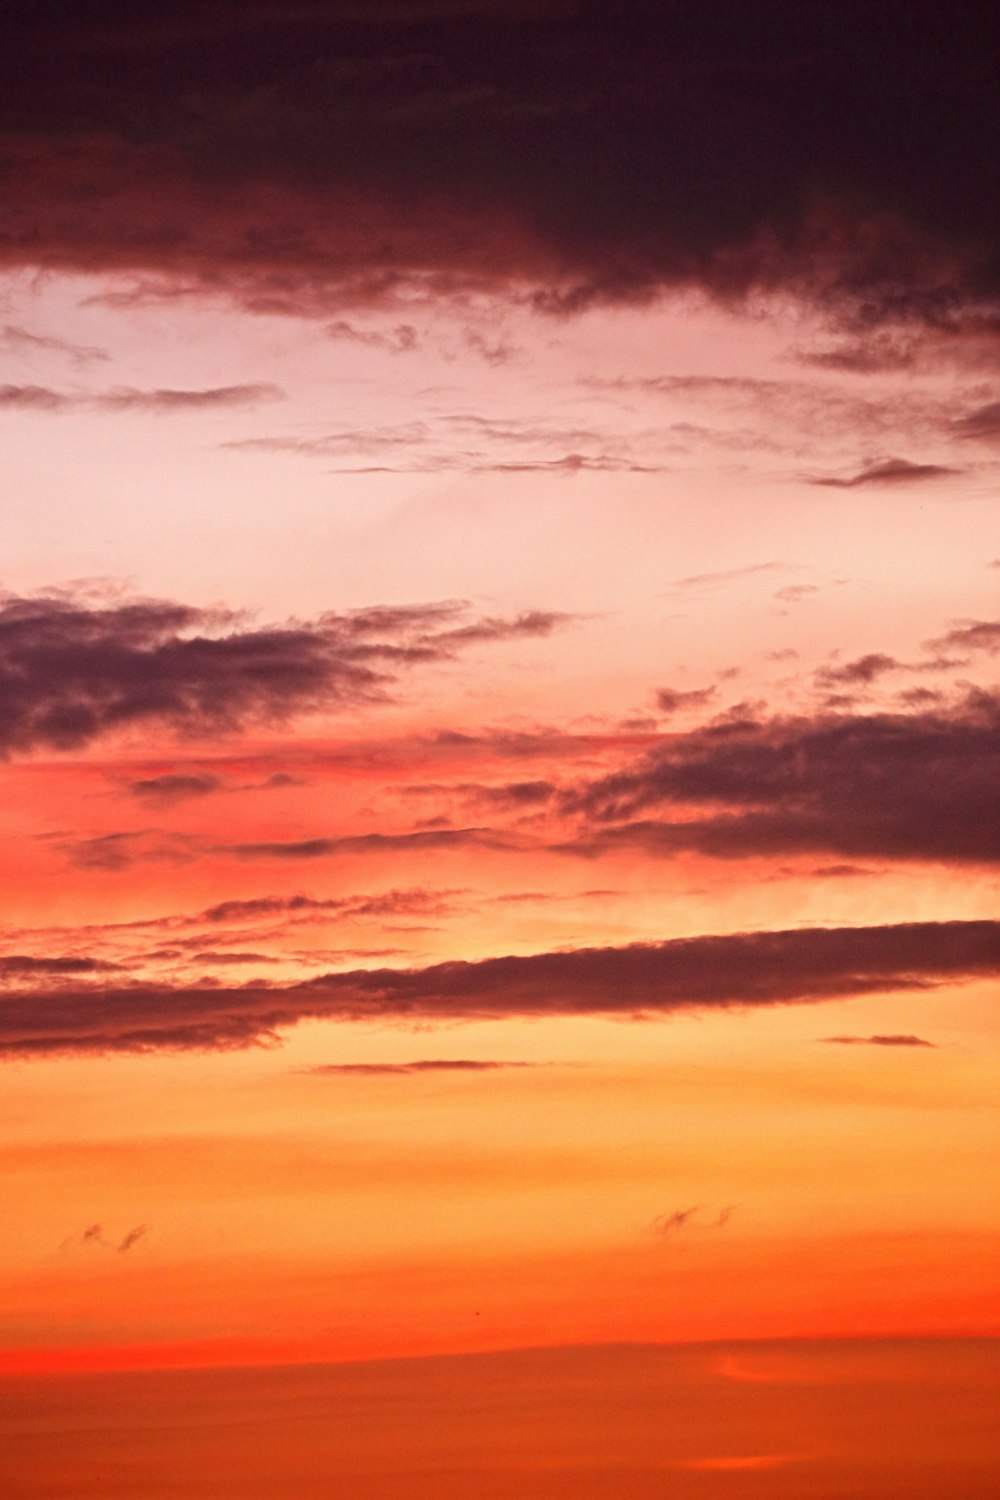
(408, 1069)
(124, 399)
(887, 472)
(903, 1039)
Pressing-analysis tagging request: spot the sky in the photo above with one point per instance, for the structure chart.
(500, 738)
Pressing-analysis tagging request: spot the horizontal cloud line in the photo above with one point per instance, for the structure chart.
(71, 671)
(641, 980)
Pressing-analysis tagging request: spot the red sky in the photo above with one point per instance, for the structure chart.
(499, 719)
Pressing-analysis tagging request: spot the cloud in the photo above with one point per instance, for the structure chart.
(572, 463)
(314, 159)
(226, 960)
(402, 339)
(861, 672)
(12, 336)
(462, 442)
(902, 1040)
(168, 401)
(368, 843)
(71, 672)
(667, 1224)
(888, 471)
(172, 787)
(641, 980)
(94, 1235)
(113, 852)
(425, 1065)
(794, 593)
(31, 398)
(414, 901)
(701, 581)
(159, 402)
(132, 1238)
(25, 965)
(673, 700)
(982, 424)
(906, 786)
(969, 635)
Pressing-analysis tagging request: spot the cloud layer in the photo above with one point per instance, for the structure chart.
(640, 980)
(580, 152)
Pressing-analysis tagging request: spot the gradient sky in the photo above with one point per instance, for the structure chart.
(500, 733)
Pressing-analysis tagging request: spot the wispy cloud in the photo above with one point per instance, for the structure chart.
(22, 340)
(125, 398)
(406, 1069)
(905, 1039)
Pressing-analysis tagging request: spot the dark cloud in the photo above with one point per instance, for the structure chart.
(969, 635)
(167, 401)
(641, 980)
(904, 786)
(12, 336)
(26, 965)
(888, 471)
(903, 1040)
(113, 852)
(132, 1238)
(672, 700)
(70, 672)
(415, 901)
(667, 1224)
(861, 672)
(307, 158)
(970, 343)
(94, 1235)
(510, 794)
(983, 423)
(30, 398)
(369, 843)
(227, 960)
(173, 787)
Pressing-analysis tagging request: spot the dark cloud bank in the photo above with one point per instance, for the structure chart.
(641, 980)
(310, 156)
(70, 672)
(903, 786)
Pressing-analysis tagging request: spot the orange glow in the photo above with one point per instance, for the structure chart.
(498, 751)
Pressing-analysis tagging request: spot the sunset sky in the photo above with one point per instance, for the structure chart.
(500, 747)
